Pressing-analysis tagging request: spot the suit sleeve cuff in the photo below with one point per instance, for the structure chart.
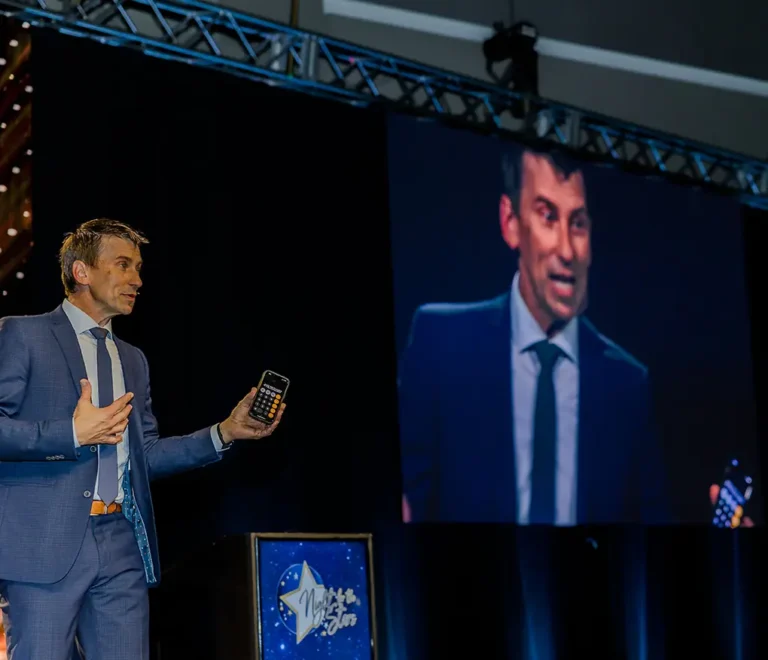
(218, 443)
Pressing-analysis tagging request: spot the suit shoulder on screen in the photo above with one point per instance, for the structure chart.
(463, 311)
(455, 318)
(610, 350)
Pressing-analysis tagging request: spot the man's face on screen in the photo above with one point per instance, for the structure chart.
(551, 229)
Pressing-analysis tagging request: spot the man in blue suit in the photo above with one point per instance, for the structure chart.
(79, 445)
(517, 409)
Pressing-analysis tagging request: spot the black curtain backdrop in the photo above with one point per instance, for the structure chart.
(268, 217)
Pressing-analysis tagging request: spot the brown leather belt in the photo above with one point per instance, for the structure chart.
(98, 508)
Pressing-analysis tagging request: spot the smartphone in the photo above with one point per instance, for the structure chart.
(735, 491)
(270, 394)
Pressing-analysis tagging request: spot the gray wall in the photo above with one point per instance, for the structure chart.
(702, 33)
(694, 32)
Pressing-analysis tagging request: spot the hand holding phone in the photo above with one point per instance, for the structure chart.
(730, 497)
(270, 393)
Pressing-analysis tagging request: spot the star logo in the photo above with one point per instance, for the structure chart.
(307, 602)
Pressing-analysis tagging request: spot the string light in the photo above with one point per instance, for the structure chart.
(16, 107)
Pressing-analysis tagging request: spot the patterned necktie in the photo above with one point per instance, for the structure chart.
(107, 453)
(544, 438)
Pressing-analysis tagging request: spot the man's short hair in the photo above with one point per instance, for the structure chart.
(84, 244)
(512, 169)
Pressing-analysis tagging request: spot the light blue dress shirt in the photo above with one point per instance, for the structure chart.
(82, 323)
(525, 370)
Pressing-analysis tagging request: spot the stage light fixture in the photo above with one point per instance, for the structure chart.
(517, 45)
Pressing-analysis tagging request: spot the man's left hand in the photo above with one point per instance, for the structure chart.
(241, 426)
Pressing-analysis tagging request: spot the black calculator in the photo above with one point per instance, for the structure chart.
(269, 395)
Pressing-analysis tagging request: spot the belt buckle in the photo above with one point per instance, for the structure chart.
(103, 509)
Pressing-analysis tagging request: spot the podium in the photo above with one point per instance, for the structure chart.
(286, 596)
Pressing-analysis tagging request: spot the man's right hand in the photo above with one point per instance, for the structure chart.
(101, 426)
(714, 491)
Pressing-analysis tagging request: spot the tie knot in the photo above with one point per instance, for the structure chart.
(99, 333)
(547, 353)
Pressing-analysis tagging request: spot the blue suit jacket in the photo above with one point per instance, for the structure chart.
(457, 431)
(45, 481)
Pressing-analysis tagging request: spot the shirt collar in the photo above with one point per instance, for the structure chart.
(81, 322)
(526, 331)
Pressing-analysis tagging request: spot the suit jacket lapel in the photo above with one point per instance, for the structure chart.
(132, 379)
(494, 364)
(592, 398)
(65, 335)
(130, 375)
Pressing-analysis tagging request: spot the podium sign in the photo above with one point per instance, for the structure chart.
(286, 596)
(314, 596)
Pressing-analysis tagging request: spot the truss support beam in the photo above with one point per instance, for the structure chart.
(247, 46)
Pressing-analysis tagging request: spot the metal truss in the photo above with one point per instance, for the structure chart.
(222, 39)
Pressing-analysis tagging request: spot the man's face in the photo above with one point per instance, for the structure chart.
(114, 280)
(551, 229)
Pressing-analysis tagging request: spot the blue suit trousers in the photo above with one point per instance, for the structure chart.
(102, 601)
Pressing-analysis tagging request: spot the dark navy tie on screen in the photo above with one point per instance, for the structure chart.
(107, 453)
(542, 509)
